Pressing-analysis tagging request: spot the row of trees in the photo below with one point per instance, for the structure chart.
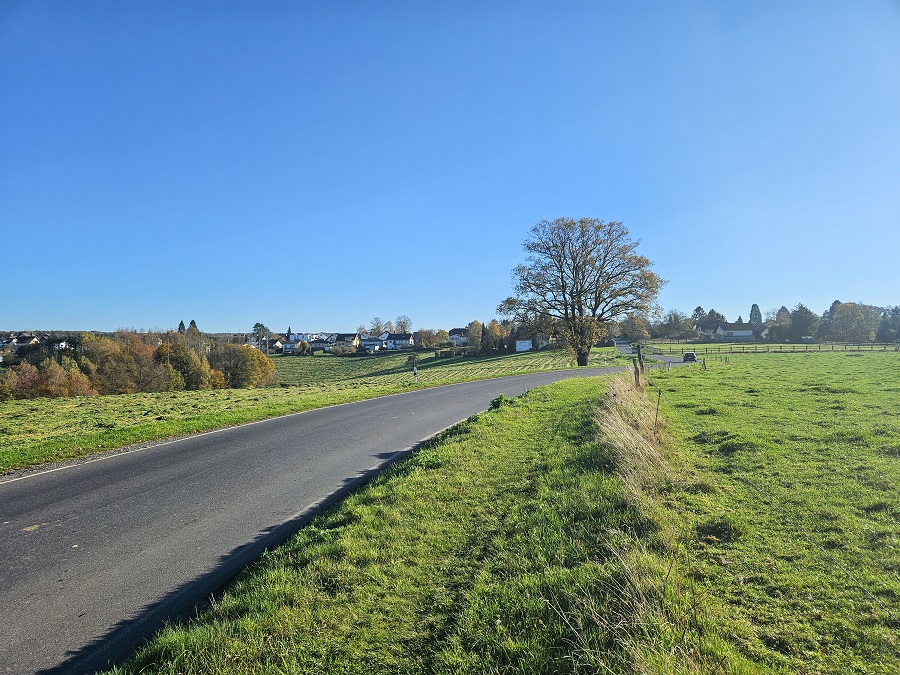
(841, 322)
(403, 324)
(130, 362)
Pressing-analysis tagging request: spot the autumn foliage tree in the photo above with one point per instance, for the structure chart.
(243, 366)
(854, 322)
(584, 274)
(122, 363)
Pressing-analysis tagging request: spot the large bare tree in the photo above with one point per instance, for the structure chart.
(584, 274)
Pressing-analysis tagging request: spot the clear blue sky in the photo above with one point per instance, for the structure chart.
(317, 164)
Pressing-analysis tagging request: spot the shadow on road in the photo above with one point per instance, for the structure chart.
(192, 597)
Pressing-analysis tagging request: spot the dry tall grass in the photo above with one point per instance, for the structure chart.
(646, 606)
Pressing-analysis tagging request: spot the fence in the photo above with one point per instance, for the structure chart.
(772, 348)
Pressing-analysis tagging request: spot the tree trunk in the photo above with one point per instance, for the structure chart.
(582, 358)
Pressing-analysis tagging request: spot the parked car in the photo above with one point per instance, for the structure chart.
(689, 356)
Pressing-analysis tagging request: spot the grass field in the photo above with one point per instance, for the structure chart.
(792, 506)
(753, 530)
(37, 431)
(394, 370)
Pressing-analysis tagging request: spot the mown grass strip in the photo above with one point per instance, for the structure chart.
(511, 544)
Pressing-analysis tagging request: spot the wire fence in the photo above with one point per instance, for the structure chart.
(771, 348)
(771, 501)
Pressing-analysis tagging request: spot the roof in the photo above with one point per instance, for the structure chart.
(399, 336)
(736, 326)
(346, 337)
(460, 331)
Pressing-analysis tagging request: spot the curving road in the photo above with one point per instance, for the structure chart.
(94, 556)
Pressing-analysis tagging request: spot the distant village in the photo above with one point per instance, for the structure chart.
(309, 343)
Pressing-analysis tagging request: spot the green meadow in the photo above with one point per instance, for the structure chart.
(748, 524)
(37, 431)
(790, 503)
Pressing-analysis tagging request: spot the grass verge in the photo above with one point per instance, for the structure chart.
(522, 541)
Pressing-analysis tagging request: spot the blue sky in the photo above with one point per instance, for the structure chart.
(319, 164)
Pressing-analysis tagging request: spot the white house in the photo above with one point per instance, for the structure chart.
(323, 342)
(372, 344)
(399, 341)
(459, 337)
(734, 332)
(304, 337)
(706, 329)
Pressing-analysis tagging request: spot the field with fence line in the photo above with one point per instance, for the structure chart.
(789, 502)
(704, 348)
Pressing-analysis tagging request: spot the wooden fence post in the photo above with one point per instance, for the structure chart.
(656, 419)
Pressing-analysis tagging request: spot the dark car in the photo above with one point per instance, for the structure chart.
(689, 356)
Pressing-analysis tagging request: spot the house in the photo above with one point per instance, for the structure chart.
(372, 344)
(399, 341)
(16, 342)
(288, 348)
(304, 337)
(734, 332)
(459, 337)
(350, 340)
(706, 329)
(322, 343)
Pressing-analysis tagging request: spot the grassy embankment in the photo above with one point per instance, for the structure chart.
(38, 431)
(559, 533)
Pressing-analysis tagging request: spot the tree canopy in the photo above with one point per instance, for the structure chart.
(584, 274)
(403, 324)
(756, 316)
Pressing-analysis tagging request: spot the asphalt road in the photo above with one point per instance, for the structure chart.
(94, 556)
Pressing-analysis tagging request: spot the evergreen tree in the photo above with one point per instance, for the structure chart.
(889, 328)
(824, 332)
(698, 315)
(804, 322)
(740, 319)
(181, 328)
(756, 316)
